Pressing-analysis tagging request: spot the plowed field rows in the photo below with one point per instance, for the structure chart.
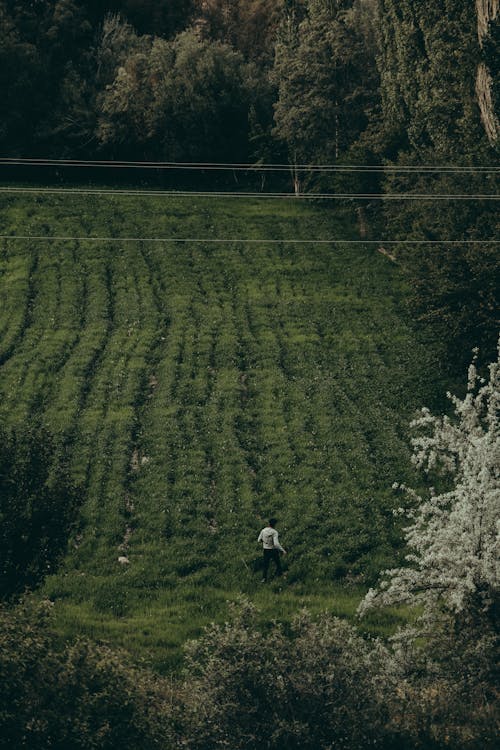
(199, 387)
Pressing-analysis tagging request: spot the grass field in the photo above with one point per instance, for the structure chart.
(198, 388)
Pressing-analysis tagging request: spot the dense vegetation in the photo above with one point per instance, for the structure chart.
(159, 400)
(315, 682)
(38, 506)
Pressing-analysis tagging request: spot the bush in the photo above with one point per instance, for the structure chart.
(82, 696)
(448, 683)
(315, 687)
(38, 506)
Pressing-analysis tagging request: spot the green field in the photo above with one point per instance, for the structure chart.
(199, 387)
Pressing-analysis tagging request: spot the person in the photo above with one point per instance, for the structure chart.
(271, 548)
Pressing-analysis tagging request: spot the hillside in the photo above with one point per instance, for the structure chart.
(199, 387)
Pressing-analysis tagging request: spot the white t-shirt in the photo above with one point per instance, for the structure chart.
(269, 538)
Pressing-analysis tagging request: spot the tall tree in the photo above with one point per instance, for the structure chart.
(431, 115)
(430, 101)
(323, 82)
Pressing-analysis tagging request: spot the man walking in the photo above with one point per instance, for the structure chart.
(272, 548)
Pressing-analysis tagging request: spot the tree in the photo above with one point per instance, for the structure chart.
(431, 115)
(38, 505)
(428, 100)
(446, 661)
(324, 83)
(185, 100)
(454, 535)
(47, 70)
(129, 68)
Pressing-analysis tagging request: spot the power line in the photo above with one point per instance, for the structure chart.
(239, 240)
(278, 196)
(227, 166)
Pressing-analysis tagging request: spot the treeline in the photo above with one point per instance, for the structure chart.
(307, 79)
(402, 83)
(172, 80)
(187, 80)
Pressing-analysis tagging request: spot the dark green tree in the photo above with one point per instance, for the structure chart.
(38, 506)
(325, 86)
(429, 54)
(186, 100)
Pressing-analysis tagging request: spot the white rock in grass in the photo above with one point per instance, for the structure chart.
(123, 560)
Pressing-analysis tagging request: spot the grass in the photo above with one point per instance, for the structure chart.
(154, 625)
(198, 388)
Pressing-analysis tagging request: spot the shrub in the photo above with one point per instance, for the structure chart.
(315, 687)
(38, 506)
(81, 696)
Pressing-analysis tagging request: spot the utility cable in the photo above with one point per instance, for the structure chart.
(233, 167)
(228, 194)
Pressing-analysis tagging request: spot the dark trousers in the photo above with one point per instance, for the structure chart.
(274, 555)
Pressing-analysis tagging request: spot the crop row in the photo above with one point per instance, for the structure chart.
(198, 388)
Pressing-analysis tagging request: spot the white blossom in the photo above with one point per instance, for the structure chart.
(454, 538)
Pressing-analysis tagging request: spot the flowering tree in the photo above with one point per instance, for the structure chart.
(454, 537)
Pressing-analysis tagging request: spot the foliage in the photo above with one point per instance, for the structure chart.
(164, 18)
(448, 660)
(310, 685)
(430, 115)
(247, 25)
(81, 696)
(316, 687)
(454, 538)
(314, 684)
(454, 289)
(447, 674)
(188, 97)
(22, 79)
(428, 101)
(38, 507)
(324, 85)
(319, 684)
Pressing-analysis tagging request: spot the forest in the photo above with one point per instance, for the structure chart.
(173, 363)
